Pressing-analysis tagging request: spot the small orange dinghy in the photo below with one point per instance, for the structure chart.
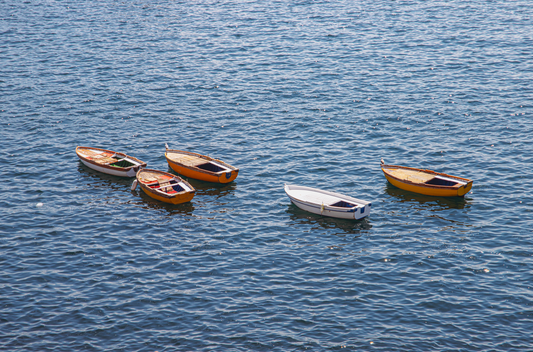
(164, 186)
(200, 167)
(426, 182)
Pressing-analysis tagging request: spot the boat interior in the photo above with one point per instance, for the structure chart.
(212, 167)
(122, 163)
(160, 183)
(194, 161)
(421, 177)
(169, 187)
(106, 158)
(343, 204)
(441, 181)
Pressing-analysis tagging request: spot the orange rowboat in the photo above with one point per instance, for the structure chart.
(164, 186)
(200, 167)
(426, 182)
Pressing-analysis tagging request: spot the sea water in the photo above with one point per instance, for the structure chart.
(312, 93)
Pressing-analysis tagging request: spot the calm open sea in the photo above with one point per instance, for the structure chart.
(307, 92)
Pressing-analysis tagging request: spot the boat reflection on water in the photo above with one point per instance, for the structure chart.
(443, 202)
(147, 202)
(347, 226)
(98, 180)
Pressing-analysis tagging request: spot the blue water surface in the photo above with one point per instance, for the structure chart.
(307, 92)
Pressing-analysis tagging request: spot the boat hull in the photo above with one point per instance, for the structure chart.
(187, 197)
(228, 175)
(317, 209)
(459, 190)
(131, 171)
(359, 211)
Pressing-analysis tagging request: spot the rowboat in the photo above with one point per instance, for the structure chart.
(200, 167)
(164, 186)
(426, 182)
(109, 162)
(326, 203)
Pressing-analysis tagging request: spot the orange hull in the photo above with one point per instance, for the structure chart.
(165, 187)
(200, 167)
(426, 182)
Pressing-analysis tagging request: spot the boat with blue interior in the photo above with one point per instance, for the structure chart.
(200, 167)
(426, 182)
(164, 186)
(327, 203)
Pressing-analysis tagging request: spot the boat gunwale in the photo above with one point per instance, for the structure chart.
(327, 207)
(201, 156)
(454, 187)
(161, 193)
(141, 164)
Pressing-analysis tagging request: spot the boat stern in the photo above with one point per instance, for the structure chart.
(227, 177)
(362, 212)
(465, 189)
(133, 171)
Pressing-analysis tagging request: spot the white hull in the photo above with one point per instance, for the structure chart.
(130, 173)
(321, 203)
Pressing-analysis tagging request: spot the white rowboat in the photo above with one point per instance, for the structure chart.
(326, 203)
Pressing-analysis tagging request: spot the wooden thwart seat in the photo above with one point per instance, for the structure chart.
(411, 175)
(187, 160)
(147, 177)
(88, 153)
(104, 160)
